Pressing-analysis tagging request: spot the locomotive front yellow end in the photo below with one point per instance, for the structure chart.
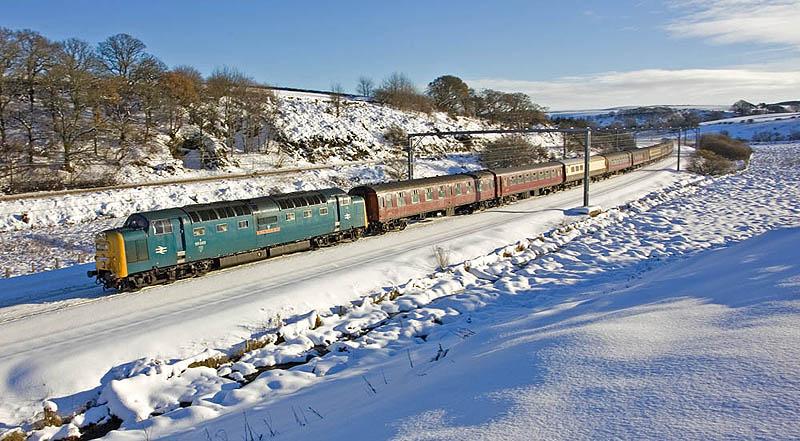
(110, 260)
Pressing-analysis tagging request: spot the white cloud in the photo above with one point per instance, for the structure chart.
(739, 21)
(654, 86)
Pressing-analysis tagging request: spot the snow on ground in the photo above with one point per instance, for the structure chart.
(767, 127)
(614, 326)
(591, 333)
(61, 337)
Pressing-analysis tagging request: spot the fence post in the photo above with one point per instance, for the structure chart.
(586, 154)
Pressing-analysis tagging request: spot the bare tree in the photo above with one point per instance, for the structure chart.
(227, 88)
(337, 98)
(451, 94)
(121, 57)
(68, 97)
(365, 87)
(36, 53)
(9, 53)
(120, 54)
(181, 88)
(399, 91)
(147, 81)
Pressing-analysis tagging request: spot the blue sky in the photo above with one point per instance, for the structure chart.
(566, 54)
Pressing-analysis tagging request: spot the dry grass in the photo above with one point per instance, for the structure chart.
(17, 435)
(442, 257)
(212, 362)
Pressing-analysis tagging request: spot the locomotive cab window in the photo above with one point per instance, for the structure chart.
(221, 228)
(136, 221)
(306, 214)
(289, 216)
(162, 226)
(244, 223)
(344, 201)
(199, 231)
(323, 211)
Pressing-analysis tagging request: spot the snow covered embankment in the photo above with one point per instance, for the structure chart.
(593, 251)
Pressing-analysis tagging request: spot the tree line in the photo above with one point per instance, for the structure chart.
(449, 93)
(68, 99)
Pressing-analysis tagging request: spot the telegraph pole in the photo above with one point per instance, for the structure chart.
(679, 148)
(410, 158)
(586, 167)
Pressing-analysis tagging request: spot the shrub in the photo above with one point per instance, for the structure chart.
(399, 92)
(766, 137)
(707, 162)
(396, 135)
(725, 147)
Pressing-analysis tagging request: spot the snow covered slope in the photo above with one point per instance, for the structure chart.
(701, 348)
(61, 337)
(553, 335)
(659, 321)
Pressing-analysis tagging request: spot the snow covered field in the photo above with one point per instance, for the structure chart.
(779, 125)
(587, 324)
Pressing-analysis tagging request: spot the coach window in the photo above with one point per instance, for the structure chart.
(469, 188)
(414, 196)
(429, 193)
(400, 201)
(199, 231)
(244, 223)
(221, 228)
(307, 214)
(458, 189)
(441, 191)
(289, 216)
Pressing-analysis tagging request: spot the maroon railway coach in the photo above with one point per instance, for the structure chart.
(617, 161)
(639, 156)
(528, 180)
(389, 205)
